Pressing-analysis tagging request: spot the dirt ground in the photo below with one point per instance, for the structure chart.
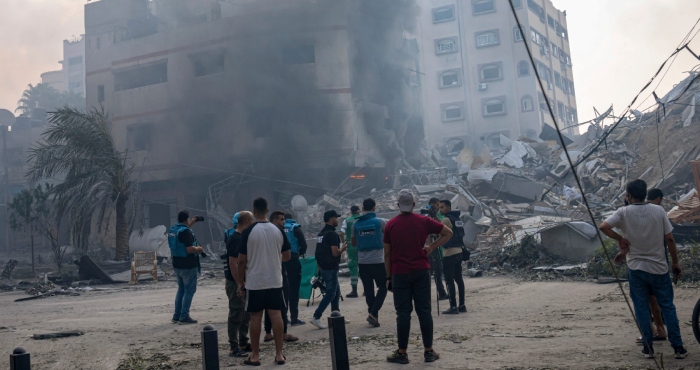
(510, 325)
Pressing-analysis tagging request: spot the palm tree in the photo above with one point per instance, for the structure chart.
(79, 147)
(72, 99)
(40, 96)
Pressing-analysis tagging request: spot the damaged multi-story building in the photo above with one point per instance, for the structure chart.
(218, 102)
(478, 81)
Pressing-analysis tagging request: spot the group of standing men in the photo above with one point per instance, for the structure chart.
(263, 271)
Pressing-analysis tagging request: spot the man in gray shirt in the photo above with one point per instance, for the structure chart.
(645, 227)
(367, 236)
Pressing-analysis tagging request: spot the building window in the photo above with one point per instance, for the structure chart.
(550, 21)
(483, 6)
(450, 79)
(527, 104)
(444, 14)
(446, 46)
(100, 93)
(75, 61)
(208, 63)
(523, 68)
(452, 112)
(517, 35)
(560, 110)
(490, 72)
(305, 54)
(557, 79)
(140, 76)
(487, 38)
(493, 106)
(573, 115)
(139, 136)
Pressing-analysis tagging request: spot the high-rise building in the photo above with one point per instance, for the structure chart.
(478, 82)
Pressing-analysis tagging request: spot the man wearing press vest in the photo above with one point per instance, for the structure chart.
(452, 258)
(185, 253)
(367, 237)
(293, 266)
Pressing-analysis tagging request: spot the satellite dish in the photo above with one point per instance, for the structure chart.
(299, 203)
(6, 117)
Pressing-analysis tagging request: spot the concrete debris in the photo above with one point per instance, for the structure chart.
(64, 334)
(571, 241)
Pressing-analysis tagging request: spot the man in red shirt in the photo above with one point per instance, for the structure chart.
(408, 271)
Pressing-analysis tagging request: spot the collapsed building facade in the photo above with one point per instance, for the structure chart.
(219, 102)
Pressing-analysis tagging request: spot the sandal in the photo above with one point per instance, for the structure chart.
(290, 338)
(268, 339)
(281, 362)
(251, 363)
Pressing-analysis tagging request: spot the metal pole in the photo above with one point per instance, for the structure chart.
(6, 186)
(20, 360)
(210, 348)
(339, 341)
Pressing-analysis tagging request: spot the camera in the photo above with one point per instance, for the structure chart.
(199, 218)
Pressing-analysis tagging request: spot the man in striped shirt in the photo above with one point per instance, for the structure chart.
(645, 227)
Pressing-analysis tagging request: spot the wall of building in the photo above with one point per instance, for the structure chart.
(74, 65)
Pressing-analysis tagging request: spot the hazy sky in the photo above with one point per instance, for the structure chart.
(616, 45)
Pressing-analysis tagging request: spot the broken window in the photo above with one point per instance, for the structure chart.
(494, 106)
(517, 34)
(487, 38)
(444, 14)
(139, 136)
(523, 68)
(452, 112)
(302, 54)
(140, 76)
(490, 72)
(537, 9)
(208, 63)
(573, 115)
(100, 93)
(450, 79)
(550, 21)
(483, 7)
(75, 61)
(445, 46)
(526, 104)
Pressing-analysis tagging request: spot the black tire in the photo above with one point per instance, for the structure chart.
(696, 321)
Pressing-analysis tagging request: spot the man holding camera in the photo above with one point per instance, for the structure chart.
(185, 253)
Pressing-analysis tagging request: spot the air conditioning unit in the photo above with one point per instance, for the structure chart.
(482, 87)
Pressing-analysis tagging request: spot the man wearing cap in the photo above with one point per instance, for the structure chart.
(328, 252)
(345, 234)
(408, 273)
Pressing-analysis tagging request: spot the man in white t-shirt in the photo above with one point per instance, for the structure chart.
(645, 227)
(264, 247)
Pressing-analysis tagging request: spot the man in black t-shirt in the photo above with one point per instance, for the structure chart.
(238, 319)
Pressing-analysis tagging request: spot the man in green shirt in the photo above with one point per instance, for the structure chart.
(346, 234)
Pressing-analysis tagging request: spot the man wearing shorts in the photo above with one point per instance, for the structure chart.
(264, 247)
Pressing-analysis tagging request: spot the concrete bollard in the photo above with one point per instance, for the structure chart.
(19, 359)
(339, 341)
(210, 348)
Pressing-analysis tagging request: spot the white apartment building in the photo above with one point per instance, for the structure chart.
(477, 80)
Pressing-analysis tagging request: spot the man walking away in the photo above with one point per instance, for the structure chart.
(238, 319)
(264, 247)
(293, 266)
(185, 253)
(277, 218)
(408, 273)
(452, 258)
(367, 236)
(433, 211)
(328, 252)
(645, 227)
(346, 235)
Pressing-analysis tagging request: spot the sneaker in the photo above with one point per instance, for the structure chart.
(463, 309)
(681, 353)
(174, 320)
(317, 323)
(397, 358)
(451, 311)
(188, 320)
(237, 352)
(431, 356)
(648, 352)
(297, 322)
(352, 294)
(372, 321)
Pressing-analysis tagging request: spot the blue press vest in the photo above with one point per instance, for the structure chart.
(177, 249)
(289, 226)
(368, 232)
